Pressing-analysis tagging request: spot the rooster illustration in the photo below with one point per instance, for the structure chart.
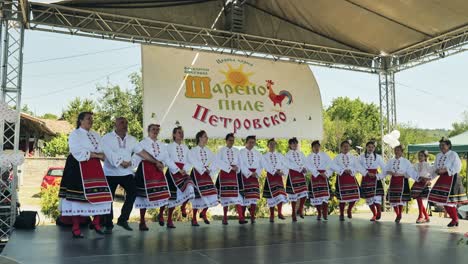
(278, 98)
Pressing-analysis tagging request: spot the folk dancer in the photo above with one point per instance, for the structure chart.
(206, 196)
(296, 184)
(273, 189)
(371, 184)
(228, 163)
(119, 146)
(152, 187)
(318, 163)
(448, 191)
(84, 190)
(177, 176)
(251, 170)
(400, 170)
(346, 166)
(420, 189)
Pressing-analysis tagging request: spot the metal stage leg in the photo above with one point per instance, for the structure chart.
(11, 52)
(387, 101)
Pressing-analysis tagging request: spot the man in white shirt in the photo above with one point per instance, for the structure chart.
(118, 147)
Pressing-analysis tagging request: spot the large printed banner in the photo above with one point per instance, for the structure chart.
(223, 93)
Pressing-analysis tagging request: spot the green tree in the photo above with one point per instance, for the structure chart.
(58, 146)
(49, 116)
(116, 102)
(25, 109)
(460, 127)
(77, 106)
(350, 119)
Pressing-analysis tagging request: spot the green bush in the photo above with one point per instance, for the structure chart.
(58, 146)
(50, 202)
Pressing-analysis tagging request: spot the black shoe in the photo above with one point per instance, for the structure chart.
(99, 231)
(143, 227)
(206, 221)
(281, 217)
(184, 215)
(124, 225)
(195, 224)
(225, 222)
(342, 218)
(108, 230)
(80, 235)
(91, 226)
(301, 215)
(452, 224)
(242, 222)
(170, 226)
(161, 222)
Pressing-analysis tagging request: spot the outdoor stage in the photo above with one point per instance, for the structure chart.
(307, 241)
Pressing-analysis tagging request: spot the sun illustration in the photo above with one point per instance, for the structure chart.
(237, 77)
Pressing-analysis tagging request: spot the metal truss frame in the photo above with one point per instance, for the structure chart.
(60, 19)
(387, 101)
(12, 38)
(448, 44)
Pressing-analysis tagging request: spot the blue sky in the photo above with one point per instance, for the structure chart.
(433, 95)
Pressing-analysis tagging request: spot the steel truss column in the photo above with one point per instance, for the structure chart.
(11, 50)
(387, 100)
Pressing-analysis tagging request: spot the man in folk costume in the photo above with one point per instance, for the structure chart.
(420, 189)
(346, 166)
(119, 147)
(227, 161)
(178, 177)
(84, 190)
(206, 195)
(318, 163)
(296, 184)
(152, 187)
(371, 184)
(251, 169)
(273, 190)
(448, 191)
(400, 170)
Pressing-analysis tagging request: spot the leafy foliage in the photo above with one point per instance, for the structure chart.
(77, 106)
(50, 202)
(58, 146)
(460, 127)
(350, 119)
(49, 116)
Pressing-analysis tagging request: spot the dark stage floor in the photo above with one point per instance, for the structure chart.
(307, 241)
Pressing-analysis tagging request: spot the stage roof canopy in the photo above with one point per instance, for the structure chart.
(348, 32)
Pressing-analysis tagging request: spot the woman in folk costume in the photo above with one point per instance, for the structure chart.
(206, 196)
(273, 190)
(448, 191)
(420, 189)
(400, 170)
(371, 185)
(251, 169)
(84, 190)
(318, 163)
(346, 187)
(177, 175)
(228, 163)
(296, 185)
(152, 188)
